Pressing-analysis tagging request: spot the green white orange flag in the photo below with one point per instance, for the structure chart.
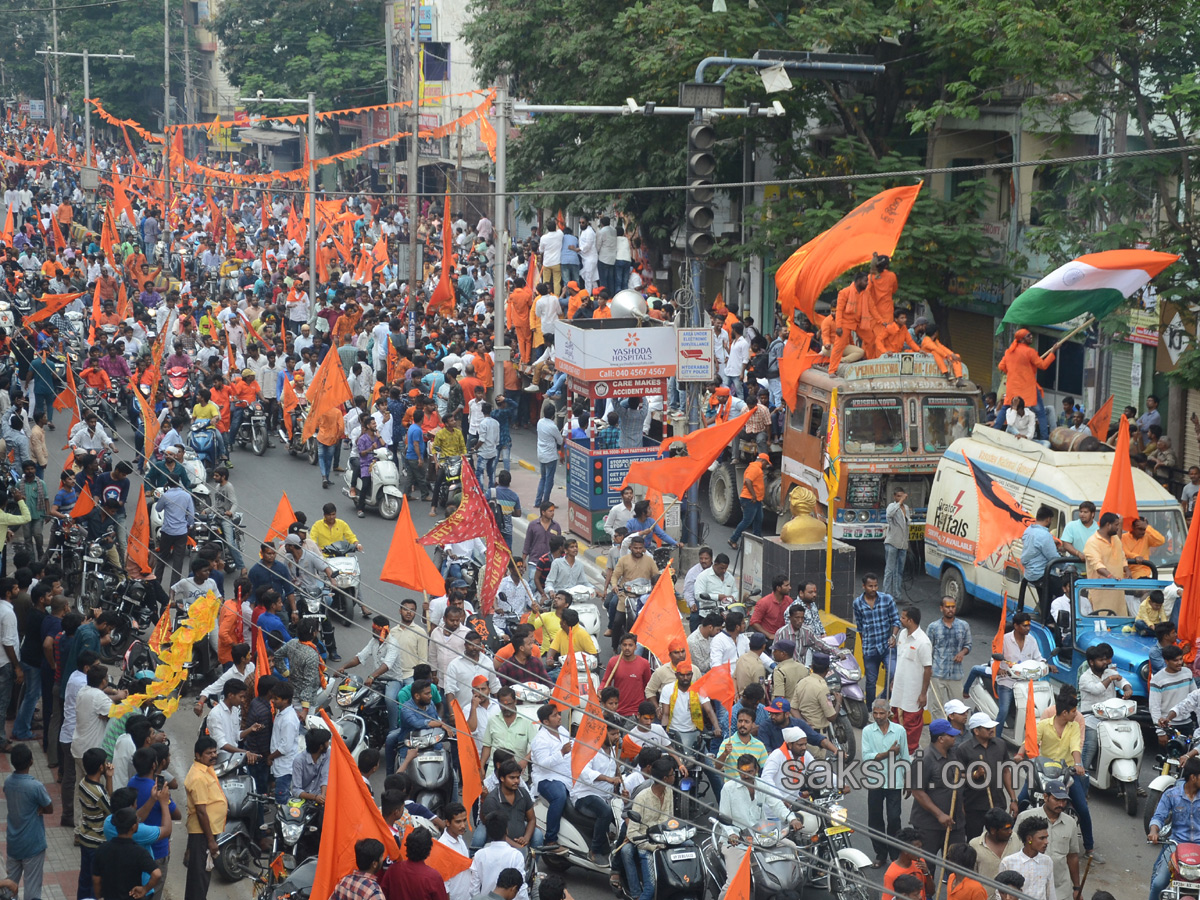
(1095, 283)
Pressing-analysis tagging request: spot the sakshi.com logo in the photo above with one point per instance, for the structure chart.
(874, 774)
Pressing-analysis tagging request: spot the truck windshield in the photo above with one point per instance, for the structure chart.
(945, 420)
(1168, 523)
(873, 425)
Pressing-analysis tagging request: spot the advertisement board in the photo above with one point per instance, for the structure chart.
(608, 349)
(616, 390)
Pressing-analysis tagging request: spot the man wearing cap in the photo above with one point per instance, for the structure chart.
(914, 668)
(788, 670)
(463, 670)
(312, 575)
(933, 794)
(957, 713)
(885, 742)
(950, 638)
(980, 750)
(777, 773)
(753, 492)
(1021, 363)
(779, 719)
(1066, 844)
(749, 667)
(684, 710)
(810, 699)
(665, 674)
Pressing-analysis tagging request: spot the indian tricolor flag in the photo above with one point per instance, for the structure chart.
(1095, 283)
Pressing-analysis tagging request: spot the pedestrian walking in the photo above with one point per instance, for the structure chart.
(950, 637)
(895, 542)
(28, 800)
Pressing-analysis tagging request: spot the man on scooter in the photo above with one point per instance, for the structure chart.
(746, 802)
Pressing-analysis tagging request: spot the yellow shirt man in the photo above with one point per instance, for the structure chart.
(1106, 553)
(324, 533)
(583, 641)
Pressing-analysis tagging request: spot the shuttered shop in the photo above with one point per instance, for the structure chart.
(973, 338)
(1120, 377)
(1191, 446)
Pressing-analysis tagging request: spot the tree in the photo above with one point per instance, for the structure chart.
(333, 49)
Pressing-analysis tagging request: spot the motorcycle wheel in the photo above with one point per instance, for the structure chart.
(857, 711)
(258, 440)
(1131, 800)
(235, 861)
(311, 450)
(847, 883)
(389, 506)
(843, 735)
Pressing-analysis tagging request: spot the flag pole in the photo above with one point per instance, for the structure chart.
(829, 514)
(1087, 323)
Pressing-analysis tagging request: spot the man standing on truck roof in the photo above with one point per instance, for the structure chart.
(882, 287)
(852, 311)
(1021, 363)
(1105, 558)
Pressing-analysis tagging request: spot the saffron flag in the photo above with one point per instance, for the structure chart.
(351, 819)
(7, 234)
(1119, 497)
(1031, 720)
(474, 519)
(1095, 283)
(658, 624)
(284, 517)
(832, 463)
(150, 424)
(53, 303)
(67, 398)
(60, 242)
(872, 227)
(290, 402)
(1098, 424)
(162, 631)
(443, 293)
(137, 550)
(468, 758)
(589, 738)
(791, 366)
(739, 888)
(566, 687)
(407, 563)
(85, 504)
(50, 145)
(262, 659)
(718, 683)
(328, 390)
(675, 475)
(1001, 518)
(1187, 575)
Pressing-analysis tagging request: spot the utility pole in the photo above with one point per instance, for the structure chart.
(389, 43)
(166, 107)
(189, 110)
(500, 214)
(54, 37)
(414, 69)
(458, 178)
(86, 55)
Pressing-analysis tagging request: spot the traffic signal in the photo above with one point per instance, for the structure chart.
(701, 170)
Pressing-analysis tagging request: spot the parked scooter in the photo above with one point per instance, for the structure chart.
(385, 494)
(1119, 755)
(238, 843)
(843, 664)
(1027, 675)
(431, 770)
(583, 601)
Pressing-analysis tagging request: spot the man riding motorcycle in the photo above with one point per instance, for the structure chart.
(448, 442)
(312, 575)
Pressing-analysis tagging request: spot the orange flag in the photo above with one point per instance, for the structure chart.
(566, 687)
(718, 684)
(54, 302)
(138, 547)
(284, 517)
(60, 242)
(262, 659)
(290, 402)
(791, 367)
(67, 398)
(1002, 519)
(1187, 575)
(7, 234)
(50, 145)
(589, 738)
(998, 638)
(95, 311)
(122, 301)
(658, 623)
(150, 425)
(84, 505)
(443, 293)
(739, 889)
(675, 476)
(1031, 738)
(1119, 498)
(1098, 424)
(408, 564)
(329, 389)
(468, 758)
(873, 226)
(162, 631)
(351, 819)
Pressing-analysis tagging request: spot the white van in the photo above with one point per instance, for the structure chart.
(1034, 475)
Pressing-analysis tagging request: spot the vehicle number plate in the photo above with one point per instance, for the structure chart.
(838, 829)
(916, 532)
(677, 857)
(429, 757)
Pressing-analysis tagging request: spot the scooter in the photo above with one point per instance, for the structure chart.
(346, 575)
(776, 869)
(237, 843)
(367, 704)
(430, 770)
(385, 494)
(202, 439)
(349, 725)
(678, 867)
(1119, 755)
(575, 836)
(1027, 675)
(583, 601)
(179, 389)
(843, 664)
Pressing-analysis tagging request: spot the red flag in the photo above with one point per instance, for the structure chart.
(1002, 520)
(407, 563)
(566, 687)
(137, 550)
(162, 631)
(1098, 424)
(473, 519)
(589, 738)
(284, 517)
(676, 475)
(468, 758)
(718, 683)
(658, 624)
(1119, 497)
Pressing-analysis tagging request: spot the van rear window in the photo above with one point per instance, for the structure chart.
(873, 425)
(945, 420)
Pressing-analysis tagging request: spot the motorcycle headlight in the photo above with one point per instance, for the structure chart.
(291, 832)
(344, 580)
(176, 392)
(1191, 873)
(838, 815)
(95, 550)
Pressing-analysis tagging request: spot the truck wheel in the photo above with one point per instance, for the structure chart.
(723, 500)
(953, 586)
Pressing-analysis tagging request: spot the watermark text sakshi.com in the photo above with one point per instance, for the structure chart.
(837, 772)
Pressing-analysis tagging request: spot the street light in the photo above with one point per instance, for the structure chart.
(312, 182)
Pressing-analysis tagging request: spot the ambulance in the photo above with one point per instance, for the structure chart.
(1035, 475)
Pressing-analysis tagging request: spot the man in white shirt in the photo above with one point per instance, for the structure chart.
(589, 258)
(455, 817)
(285, 742)
(777, 773)
(729, 643)
(689, 585)
(447, 643)
(747, 802)
(463, 669)
(550, 752)
(716, 584)
(684, 710)
(494, 857)
(620, 514)
(914, 669)
(91, 714)
(225, 722)
(592, 793)
(567, 571)
(550, 249)
(738, 359)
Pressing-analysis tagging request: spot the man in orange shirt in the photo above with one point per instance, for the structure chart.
(602, 310)
(484, 368)
(942, 355)
(896, 341)
(243, 390)
(576, 298)
(517, 313)
(1137, 542)
(65, 215)
(1021, 363)
(331, 429)
(346, 325)
(754, 490)
(882, 284)
(222, 395)
(851, 311)
(94, 376)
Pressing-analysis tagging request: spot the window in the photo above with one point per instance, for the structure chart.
(816, 423)
(1065, 374)
(797, 417)
(959, 179)
(873, 425)
(437, 61)
(945, 420)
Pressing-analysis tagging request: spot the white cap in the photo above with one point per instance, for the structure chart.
(792, 734)
(956, 707)
(981, 720)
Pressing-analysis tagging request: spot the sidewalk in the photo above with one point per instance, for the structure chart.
(60, 878)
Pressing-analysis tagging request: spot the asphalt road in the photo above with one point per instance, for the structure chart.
(260, 483)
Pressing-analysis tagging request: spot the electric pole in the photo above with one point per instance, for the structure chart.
(189, 110)
(414, 68)
(86, 55)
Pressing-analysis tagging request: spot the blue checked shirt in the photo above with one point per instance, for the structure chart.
(875, 624)
(947, 643)
(608, 438)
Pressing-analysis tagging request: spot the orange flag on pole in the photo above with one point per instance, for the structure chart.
(1119, 497)
(290, 402)
(1187, 575)
(7, 234)
(589, 737)
(566, 687)
(443, 293)
(1002, 519)
(873, 226)
(262, 659)
(659, 623)
(53, 303)
(468, 758)
(84, 505)
(718, 683)
(354, 817)
(138, 547)
(329, 389)
(1098, 424)
(739, 889)
(791, 367)
(675, 476)
(407, 563)
(150, 425)
(284, 517)
(67, 397)
(50, 145)
(60, 242)
(998, 638)
(1031, 720)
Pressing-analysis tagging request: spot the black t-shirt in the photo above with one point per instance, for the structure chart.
(496, 802)
(120, 864)
(31, 637)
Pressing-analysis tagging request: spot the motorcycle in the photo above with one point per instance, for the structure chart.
(678, 865)
(451, 471)
(367, 704)
(293, 820)
(346, 575)
(776, 869)
(385, 495)
(694, 787)
(295, 445)
(431, 770)
(67, 541)
(1184, 863)
(1178, 743)
(238, 845)
(1119, 755)
(252, 430)
(296, 886)
(133, 605)
(95, 401)
(349, 725)
(179, 390)
(843, 665)
(837, 867)
(1027, 675)
(637, 592)
(202, 439)
(841, 729)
